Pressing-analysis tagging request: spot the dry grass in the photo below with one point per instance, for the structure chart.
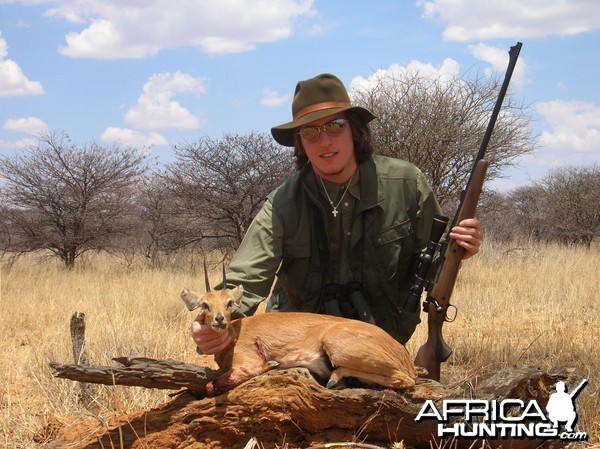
(531, 305)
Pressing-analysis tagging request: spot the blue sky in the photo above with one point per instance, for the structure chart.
(159, 73)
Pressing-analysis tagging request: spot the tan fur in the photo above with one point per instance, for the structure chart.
(330, 347)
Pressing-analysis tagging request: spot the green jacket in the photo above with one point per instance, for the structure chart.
(287, 239)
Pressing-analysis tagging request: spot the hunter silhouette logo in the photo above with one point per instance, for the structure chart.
(561, 407)
(509, 418)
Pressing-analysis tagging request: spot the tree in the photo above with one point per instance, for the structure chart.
(513, 216)
(166, 223)
(570, 195)
(66, 198)
(496, 214)
(561, 207)
(4, 229)
(220, 185)
(438, 125)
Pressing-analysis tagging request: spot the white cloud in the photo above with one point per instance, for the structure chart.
(573, 134)
(467, 20)
(156, 109)
(449, 70)
(103, 40)
(498, 58)
(271, 98)
(117, 29)
(32, 127)
(132, 138)
(28, 125)
(13, 81)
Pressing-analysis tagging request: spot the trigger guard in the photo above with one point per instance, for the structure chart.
(452, 317)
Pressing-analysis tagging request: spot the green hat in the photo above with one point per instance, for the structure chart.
(315, 98)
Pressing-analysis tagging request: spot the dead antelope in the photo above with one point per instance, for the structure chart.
(328, 346)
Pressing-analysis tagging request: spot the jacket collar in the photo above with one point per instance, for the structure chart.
(369, 197)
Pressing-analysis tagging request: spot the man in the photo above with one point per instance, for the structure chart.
(347, 225)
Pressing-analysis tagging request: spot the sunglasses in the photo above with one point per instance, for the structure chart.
(332, 128)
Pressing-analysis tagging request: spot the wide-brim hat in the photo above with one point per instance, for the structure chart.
(314, 99)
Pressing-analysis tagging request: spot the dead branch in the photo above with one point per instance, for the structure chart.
(140, 372)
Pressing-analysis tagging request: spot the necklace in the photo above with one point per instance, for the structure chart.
(335, 212)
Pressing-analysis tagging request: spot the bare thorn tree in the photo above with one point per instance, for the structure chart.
(222, 184)
(570, 195)
(66, 198)
(166, 223)
(438, 125)
(561, 207)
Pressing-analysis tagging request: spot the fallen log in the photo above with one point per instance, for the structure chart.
(140, 372)
(288, 407)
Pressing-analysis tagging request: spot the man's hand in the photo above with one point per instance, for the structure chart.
(468, 235)
(206, 338)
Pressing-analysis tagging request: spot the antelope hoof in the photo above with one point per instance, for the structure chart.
(333, 384)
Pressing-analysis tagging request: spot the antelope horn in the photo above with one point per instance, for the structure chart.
(206, 278)
(224, 278)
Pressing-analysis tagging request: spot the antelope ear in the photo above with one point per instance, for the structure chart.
(190, 299)
(237, 294)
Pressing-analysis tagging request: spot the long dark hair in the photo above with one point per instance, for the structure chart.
(361, 136)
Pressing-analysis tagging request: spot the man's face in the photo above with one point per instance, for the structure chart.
(331, 156)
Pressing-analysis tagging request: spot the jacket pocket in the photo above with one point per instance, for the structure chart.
(300, 278)
(396, 232)
(394, 247)
(295, 251)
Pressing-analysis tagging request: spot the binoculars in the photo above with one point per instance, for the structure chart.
(347, 301)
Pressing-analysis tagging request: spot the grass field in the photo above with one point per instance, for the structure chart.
(534, 305)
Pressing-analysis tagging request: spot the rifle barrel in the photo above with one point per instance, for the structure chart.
(513, 55)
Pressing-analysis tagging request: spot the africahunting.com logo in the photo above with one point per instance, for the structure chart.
(509, 418)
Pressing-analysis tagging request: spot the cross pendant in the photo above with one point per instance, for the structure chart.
(334, 212)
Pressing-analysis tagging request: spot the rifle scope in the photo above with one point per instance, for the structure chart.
(438, 226)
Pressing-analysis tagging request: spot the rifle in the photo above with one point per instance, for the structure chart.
(573, 394)
(436, 350)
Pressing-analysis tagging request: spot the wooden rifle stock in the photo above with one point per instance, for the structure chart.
(436, 350)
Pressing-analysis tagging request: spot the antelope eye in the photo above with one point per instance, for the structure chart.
(230, 304)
